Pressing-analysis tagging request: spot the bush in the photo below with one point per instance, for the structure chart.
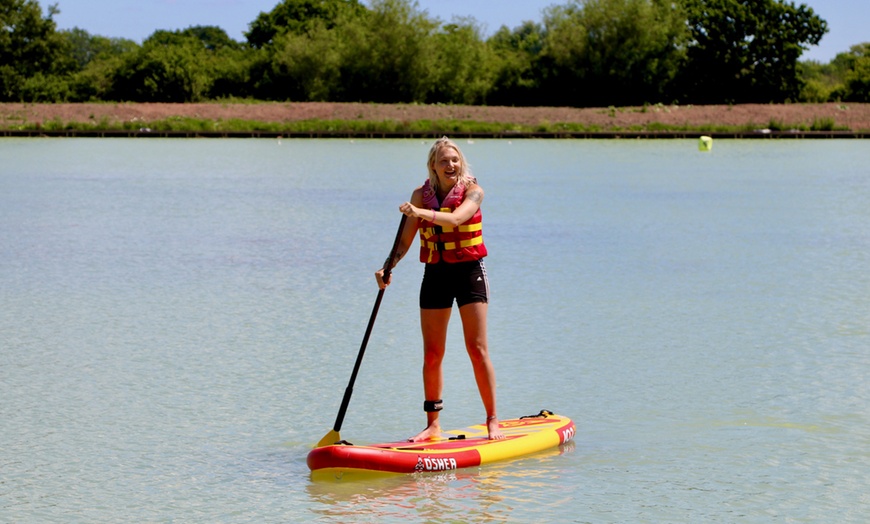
(858, 81)
(45, 88)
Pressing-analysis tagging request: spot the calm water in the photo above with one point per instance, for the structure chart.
(179, 318)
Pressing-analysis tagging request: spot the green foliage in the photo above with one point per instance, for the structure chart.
(84, 48)
(602, 52)
(231, 73)
(29, 47)
(387, 55)
(181, 66)
(162, 73)
(213, 38)
(409, 128)
(45, 88)
(93, 61)
(824, 124)
(516, 53)
(747, 50)
(299, 17)
(839, 80)
(858, 81)
(390, 56)
(820, 81)
(306, 66)
(464, 66)
(584, 53)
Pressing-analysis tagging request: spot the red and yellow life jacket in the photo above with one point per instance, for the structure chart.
(450, 244)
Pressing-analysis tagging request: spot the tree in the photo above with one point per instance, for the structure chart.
(857, 77)
(30, 48)
(171, 66)
(197, 63)
(747, 50)
(305, 66)
(391, 54)
(819, 81)
(609, 52)
(465, 65)
(213, 38)
(83, 48)
(858, 81)
(95, 58)
(517, 51)
(298, 17)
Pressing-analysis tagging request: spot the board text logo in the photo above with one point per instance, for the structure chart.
(435, 464)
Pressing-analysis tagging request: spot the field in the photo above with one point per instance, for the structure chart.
(306, 116)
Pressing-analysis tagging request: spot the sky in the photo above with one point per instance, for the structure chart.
(137, 19)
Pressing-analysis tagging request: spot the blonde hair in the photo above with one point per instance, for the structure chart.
(464, 178)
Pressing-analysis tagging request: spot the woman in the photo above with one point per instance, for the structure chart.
(446, 212)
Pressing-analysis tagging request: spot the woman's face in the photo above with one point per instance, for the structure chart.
(447, 167)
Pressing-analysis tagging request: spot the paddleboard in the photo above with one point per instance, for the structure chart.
(456, 449)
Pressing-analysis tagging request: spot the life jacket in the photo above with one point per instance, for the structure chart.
(450, 244)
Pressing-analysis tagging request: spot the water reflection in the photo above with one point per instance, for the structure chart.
(483, 494)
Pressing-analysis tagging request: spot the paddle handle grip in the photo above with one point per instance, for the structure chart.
(391, 260)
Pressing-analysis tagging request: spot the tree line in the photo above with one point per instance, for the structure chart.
(584, 53)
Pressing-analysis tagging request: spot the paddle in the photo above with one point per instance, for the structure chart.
(333, 436)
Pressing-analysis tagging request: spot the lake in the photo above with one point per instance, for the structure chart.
(179, 319)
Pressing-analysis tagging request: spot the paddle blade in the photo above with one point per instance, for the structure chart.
(329, 439)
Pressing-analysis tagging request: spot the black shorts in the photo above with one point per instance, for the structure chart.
(443, 283)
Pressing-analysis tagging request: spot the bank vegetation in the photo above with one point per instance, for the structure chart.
(583, 53)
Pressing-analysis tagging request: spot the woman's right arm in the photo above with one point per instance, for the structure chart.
(409, 233)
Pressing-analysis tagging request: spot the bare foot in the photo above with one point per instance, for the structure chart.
(494, 432)
(433, 431)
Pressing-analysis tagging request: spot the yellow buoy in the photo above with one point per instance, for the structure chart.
(705, 144)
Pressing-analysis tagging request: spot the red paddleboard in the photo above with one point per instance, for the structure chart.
(462, 448)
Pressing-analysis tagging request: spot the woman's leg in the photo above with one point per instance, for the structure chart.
(434, 324)
(474, 328)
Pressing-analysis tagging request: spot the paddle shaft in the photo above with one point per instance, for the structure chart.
(362, 349)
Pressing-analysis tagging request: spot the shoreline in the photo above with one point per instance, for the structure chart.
(761, 134)
(357, 120)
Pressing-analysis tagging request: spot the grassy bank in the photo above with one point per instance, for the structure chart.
(194, 125)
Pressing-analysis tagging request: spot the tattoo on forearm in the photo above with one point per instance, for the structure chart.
(399, 254)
